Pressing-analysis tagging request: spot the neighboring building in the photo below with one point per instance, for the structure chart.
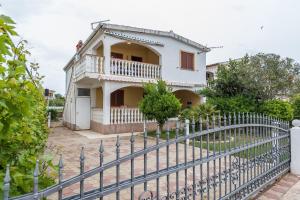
(49, 94)
(104, 78)
(211, 69)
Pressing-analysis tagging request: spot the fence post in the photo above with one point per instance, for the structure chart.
(49, 119)
(187, 130)
(295, 148)
(6, 186)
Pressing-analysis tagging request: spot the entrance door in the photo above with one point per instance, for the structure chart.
(83, 112)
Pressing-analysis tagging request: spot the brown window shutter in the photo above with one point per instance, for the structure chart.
(190, 61)
(187, 60)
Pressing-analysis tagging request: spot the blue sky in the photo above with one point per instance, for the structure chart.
(53, 27)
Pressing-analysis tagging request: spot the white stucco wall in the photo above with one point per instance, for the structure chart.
(68, 78)
(213, 69)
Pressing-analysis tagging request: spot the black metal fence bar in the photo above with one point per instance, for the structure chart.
(237, 155)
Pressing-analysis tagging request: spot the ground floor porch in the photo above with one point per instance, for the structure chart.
(113, 107)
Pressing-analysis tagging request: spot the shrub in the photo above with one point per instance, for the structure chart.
(159, 103)
(296, 106)
(23, 130)
(278, 109)
(196, 111)
(234, 104)
(54, 114)
(57, 102)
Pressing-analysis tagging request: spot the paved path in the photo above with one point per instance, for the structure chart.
(68, 143)
(287, 188)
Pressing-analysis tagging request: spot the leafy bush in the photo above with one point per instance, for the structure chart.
(23, 130)
(57, 102)
(234, 104)
(197, 111)
(296, 106)
(54, 114)
(159, 103)
(278, 109)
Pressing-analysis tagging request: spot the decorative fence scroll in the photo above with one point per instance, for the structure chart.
(231, 156)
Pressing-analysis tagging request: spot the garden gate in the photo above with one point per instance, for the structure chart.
(223, 157)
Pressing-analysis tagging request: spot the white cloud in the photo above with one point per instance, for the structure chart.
(54, 26)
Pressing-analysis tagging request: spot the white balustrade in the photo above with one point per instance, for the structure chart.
(125, 116)
(89, 63)
(134, 69)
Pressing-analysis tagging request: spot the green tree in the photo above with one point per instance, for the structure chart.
(23, 130)
(296, 106)
(159, 103)
(242, 85)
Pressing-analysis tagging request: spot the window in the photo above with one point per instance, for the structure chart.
(83, 92)
(209, 76)
(187, 60)
(116, 55)
(117, 98)
(136, 58)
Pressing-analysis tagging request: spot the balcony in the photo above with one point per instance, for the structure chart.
(90, 65)
(135, 69)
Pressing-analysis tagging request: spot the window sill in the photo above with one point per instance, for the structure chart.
(192, 70)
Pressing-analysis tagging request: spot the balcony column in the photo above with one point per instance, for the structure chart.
(106, 103)
(106, 54)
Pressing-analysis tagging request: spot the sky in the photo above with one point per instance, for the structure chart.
(53, 27)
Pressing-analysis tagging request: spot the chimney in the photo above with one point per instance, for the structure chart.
(79, 45)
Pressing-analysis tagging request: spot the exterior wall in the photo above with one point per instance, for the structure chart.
(69, 109)
(99, 51)
(99, 98)
(132, 49)
(68, 78)
(132, 96)
(185, 96)
(93, 97)
(170, 58)
(213, 69)
(126, 128)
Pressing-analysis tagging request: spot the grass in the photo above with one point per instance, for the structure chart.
(222, 145)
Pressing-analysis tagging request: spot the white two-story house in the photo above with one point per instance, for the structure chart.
(104, 79)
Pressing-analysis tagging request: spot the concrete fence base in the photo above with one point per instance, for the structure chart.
(295, 148)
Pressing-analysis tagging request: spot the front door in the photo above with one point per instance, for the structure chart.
(83, 112)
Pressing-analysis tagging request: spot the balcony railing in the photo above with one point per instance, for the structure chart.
(89, 63)
(94, 64)
(126, 116)
(134, 69)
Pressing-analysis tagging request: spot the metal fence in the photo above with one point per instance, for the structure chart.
(216, 157)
